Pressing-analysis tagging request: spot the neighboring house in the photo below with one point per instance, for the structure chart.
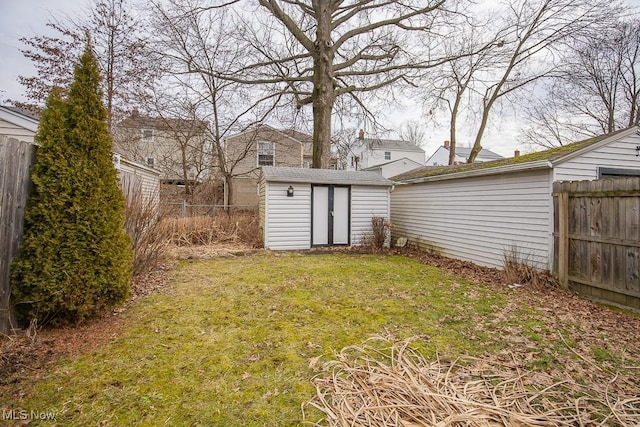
(23, 125)
(480, 211)
(441, 156)
(307, 148)
(302, 208)
(264, 145)
(18, 123)
(394, 167)
(368, 152)
(179, 148)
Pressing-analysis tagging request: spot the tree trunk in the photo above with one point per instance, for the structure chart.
(477, 145)
(452, 125)
(323, 90)
(228, 196)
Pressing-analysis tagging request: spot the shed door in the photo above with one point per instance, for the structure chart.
(330, 215)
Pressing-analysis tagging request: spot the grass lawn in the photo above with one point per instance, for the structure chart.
(230, 342)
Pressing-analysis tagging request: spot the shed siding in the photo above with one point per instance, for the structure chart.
(367, 202)
(288, 219)
(14, 131)
(478, 219)
(618, 154)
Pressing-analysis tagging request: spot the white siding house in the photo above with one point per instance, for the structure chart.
(441, 156)
(368, 152)
(394, 167)
(477, 212)
(303, 208)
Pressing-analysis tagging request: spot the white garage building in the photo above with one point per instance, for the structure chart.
(479, 211)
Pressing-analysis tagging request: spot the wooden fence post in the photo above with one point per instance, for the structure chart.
(563, 239)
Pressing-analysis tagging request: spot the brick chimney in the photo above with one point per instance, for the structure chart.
(135, 113)
(516, 153)
(361, 134)
(447, 144)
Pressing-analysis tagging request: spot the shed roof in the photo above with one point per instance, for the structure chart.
(323, 176)
(540, 159)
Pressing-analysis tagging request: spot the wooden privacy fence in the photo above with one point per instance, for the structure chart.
(597, 239)
(16, 158)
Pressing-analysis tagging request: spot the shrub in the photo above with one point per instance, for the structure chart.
(380, 233)
(75, 259)
(146, 229)
(519, 269)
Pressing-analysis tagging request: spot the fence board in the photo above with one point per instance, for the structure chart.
(603, 237)
(16, 158)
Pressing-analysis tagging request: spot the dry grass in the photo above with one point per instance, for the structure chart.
(144, 225)
(205, 230)
(519, 268)
(397, 386)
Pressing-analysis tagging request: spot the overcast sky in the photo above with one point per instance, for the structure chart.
(26, 18)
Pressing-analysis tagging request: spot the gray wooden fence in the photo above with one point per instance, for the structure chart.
(597, 239)
(16, 158)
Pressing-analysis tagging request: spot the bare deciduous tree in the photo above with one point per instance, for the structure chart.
(597, 92)
(119, 48)
(523, 39)
(196, 44)
(318, 51)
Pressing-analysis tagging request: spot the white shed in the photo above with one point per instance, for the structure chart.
(302, 208)
(479, 211)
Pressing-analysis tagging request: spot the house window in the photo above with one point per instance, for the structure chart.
(147, 134)
(266, 154)
(307, 164)
(151, 162)
(387, 155)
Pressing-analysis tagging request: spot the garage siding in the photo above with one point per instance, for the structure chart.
(478, 219)
(367, 202)
(135, 178)
(288, 219)
(619, 154)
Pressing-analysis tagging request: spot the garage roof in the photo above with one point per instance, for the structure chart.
(323, 176)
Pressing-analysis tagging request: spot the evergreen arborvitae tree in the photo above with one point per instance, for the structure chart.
(75, 259)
